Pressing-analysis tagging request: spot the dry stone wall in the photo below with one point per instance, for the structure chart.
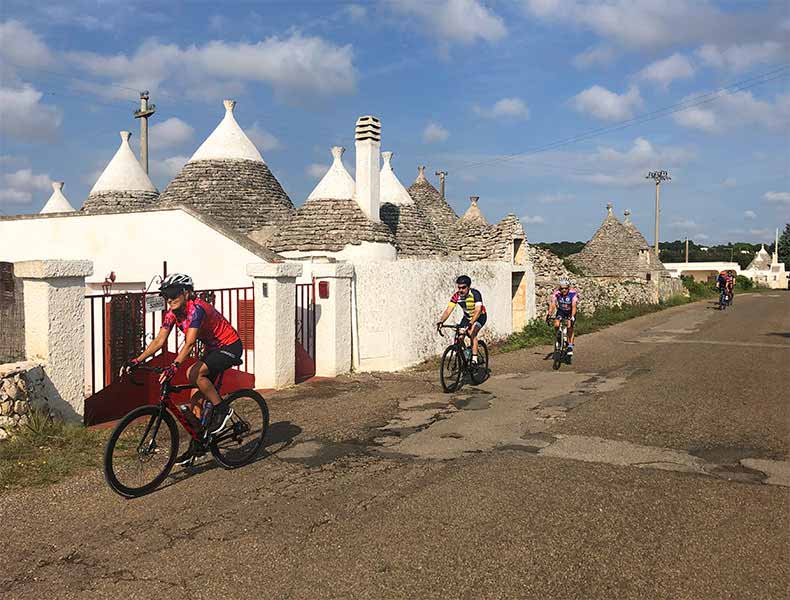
(597, 292)
(22, 389)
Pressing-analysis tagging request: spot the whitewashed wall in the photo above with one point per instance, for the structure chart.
(398, 304)
(132, 244)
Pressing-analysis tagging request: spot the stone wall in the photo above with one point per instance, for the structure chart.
(12, 315)
(597, 292)
(22, 389)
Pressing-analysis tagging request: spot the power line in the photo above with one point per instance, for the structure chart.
(681, 106)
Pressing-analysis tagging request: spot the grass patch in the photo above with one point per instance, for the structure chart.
(47, 451)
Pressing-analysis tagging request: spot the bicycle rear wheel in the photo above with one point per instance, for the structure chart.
(558, 351)
(241, 442)
(479, 372)
(141, 451)
(450, 369)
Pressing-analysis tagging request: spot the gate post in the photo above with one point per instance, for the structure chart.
(275, 330)
(333, 325)
(54, 293)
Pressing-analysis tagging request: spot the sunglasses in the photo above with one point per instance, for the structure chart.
(171, 294)
(463, 287)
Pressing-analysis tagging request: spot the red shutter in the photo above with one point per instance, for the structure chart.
(246, 321)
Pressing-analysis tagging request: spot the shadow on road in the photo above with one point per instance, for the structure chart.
(780, 334)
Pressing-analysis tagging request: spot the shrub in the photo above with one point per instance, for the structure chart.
(743, 283)
(576, 270)
(698, 290)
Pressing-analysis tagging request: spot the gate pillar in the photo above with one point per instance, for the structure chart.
(54, 293)
(275, 305)
(333, 325)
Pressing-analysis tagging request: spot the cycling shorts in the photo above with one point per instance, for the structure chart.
(481, 320)
(222, 358)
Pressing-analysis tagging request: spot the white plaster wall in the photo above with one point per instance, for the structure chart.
(364, 252)
(532, 307)
(133, 245)
(399, 303)
(333, 319)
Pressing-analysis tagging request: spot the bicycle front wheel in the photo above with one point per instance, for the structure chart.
(141, 451)
(479, 372)
(450, 370)
(244, 437)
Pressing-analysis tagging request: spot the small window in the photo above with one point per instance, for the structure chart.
(649, 276)
(246, 323)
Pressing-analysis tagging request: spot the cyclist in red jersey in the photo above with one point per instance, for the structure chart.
(198, 320)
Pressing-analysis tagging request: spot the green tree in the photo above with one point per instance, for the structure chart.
(784, 246)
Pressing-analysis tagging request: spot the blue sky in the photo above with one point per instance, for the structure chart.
(540, 107)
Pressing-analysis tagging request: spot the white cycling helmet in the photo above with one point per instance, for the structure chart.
(564, 282)
(176, 280)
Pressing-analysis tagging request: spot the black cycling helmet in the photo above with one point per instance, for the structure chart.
(464, 280)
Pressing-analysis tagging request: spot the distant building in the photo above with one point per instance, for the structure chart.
(766, 270)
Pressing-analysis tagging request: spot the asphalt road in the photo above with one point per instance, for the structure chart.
(656, 466)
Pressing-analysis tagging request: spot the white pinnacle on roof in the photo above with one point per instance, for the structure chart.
(391, 189)
(124, 172)
(337, 184)
(228, 141)
(57, 201)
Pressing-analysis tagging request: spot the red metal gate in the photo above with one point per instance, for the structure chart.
(118, 328)
(305, 330)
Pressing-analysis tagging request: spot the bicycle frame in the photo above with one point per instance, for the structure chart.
(459, 341)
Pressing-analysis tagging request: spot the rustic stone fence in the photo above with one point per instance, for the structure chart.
(23, 388)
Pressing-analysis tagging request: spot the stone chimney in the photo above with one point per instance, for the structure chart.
(368, 145)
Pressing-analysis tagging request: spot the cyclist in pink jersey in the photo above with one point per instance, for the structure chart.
(198, 320)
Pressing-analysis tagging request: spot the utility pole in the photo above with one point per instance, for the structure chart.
(687, 248)
(658, 177)
(441, 175)
(143, 114)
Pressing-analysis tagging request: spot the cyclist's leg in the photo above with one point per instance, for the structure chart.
(570, 332)
(200, 375)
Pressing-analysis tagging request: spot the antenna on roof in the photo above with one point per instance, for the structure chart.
(143, 114)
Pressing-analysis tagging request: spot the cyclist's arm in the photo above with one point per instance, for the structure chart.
(447, 312)
(156, 344)
(189, 342)
(574, 307)
(552, 308)
(475, 315)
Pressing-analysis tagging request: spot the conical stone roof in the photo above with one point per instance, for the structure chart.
(612, 251)
(123, 185)
(415, 234)
(228, 180)
(435, 207)
(330, 219)
(761, 260)
(473, 214)
(479, 240)
(57, 201)
(641, 242)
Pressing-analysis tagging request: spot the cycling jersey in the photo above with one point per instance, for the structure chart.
(565, 303)
(213, 329)
(468, 302)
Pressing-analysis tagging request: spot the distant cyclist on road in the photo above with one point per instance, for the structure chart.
(724, 285)
(471, 302)
(198, 320)
(563, 305)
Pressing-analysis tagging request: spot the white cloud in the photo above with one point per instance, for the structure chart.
(168, 167)
(532, 220)
(23, 116)
(558, 198)
(762, 233)
(20, 47)
(663, 72)
(514, 108)
(740, 57)
(20, 186)
(647, 24)
(684, 224)
(292, 65)
(264, 140)
(316, 170)
(170, 133)
(596, 56)
(777, 197)
(356, 12)
(730, 182)
(462, 21)
(739, 109)
(608, 106)
(749, 214)
(434, 132)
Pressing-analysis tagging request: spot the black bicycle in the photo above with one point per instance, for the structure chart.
(561, 344)
(144, 445)
(457, 361)
(723, 299)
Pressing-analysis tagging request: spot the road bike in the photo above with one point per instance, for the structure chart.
(723, 299)
(561, 344)
(143, 446)
(457, 361)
